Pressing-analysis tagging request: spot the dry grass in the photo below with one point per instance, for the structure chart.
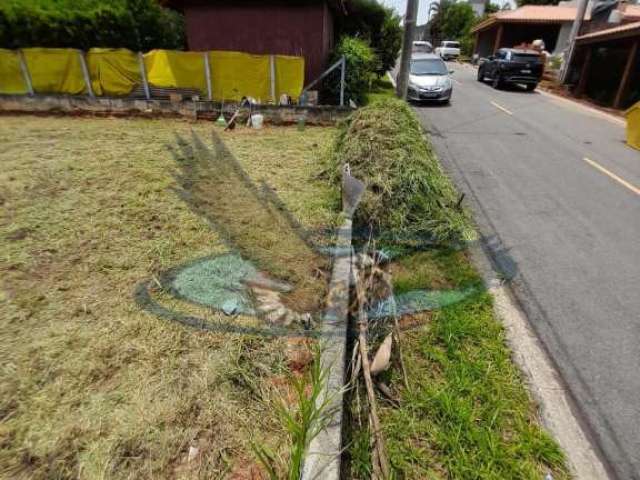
(92, 387)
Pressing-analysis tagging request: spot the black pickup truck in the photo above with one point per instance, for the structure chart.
(512, 66)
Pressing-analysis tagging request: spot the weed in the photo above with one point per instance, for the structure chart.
(302, 423)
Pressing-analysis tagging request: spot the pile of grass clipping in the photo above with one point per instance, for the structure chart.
(408, 196)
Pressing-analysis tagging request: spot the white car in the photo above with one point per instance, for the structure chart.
(448, 50)
(429, 79)
(422, 46)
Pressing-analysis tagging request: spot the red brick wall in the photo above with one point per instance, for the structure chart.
(264, 27)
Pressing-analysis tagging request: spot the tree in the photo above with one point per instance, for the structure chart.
(361, 68)
(490, 8)
(453, 21)
(376, 24)
(133, 24)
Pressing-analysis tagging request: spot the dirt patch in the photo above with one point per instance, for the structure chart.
(18, 234)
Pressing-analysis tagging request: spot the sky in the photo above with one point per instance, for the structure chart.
(401, 6)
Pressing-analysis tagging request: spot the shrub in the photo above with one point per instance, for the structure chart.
(361, 66)
(407, 195)
(133, 24)
(376, 24)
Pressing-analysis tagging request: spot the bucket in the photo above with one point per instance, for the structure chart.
(257, 120)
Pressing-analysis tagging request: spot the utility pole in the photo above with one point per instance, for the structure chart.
(575, 30)
(407, 47)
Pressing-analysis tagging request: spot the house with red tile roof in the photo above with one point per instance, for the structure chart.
(606, 66)
(551, 23)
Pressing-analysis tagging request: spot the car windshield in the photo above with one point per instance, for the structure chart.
(431, 66)
(451, 44)
(525, 57)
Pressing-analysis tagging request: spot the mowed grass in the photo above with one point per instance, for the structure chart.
(90, 385)
(467, 414)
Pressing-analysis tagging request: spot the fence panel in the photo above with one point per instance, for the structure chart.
(235, 75)
(173, 69)
(116, 72)
(11, 78)
(55, 70)
(113, 72)
(289, 76)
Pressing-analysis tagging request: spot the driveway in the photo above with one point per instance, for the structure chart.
(556, 193)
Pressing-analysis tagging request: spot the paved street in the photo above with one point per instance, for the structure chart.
(556, 193)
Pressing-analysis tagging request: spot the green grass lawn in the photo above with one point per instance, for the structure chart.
(467, 414)
(91, 386)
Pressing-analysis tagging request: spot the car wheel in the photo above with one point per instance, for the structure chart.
(481, 74)
(531, 87)
(496, 82)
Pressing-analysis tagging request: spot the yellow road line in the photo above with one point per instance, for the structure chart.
(500, 107)
(621, 181)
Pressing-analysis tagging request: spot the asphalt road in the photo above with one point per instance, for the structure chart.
(556, 195)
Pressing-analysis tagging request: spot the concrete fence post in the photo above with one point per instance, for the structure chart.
(207, 74)
(272, 77)
(143, 76)
(85, 73)
(25, 72)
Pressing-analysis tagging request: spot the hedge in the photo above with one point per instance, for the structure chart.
(134, 24)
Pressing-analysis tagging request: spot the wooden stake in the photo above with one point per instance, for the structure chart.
(622, 89)
(498, 40)
(396, 328)
(366, 371)
(584, 72)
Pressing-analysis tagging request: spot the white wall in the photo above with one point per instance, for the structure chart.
(563, 38)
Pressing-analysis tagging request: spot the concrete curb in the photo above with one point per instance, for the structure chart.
(325, 451)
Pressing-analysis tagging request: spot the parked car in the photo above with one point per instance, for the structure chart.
(512, 66)
(422, 46)
(429, 79)
(448, 50)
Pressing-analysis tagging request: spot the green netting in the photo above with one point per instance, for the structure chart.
(216, 282)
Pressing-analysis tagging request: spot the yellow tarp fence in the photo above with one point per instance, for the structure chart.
(113, 72)
(289, 76)
(172, 69)
(55, 70)
(235, 75)
(11, 79)
(116, 72)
